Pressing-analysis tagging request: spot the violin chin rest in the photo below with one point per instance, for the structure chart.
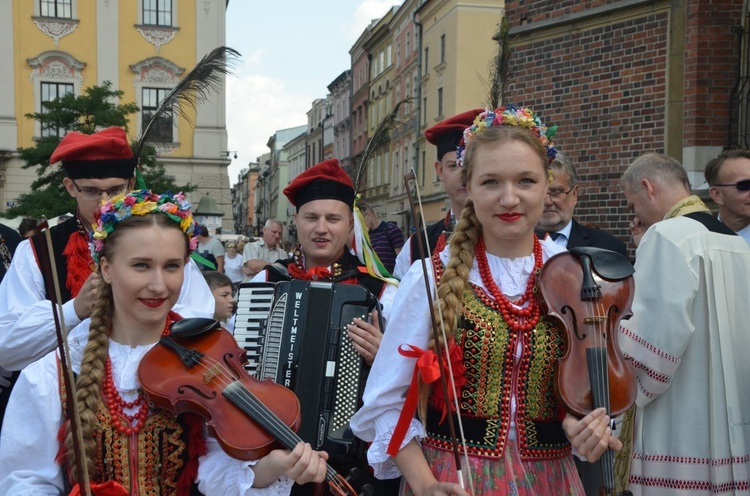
(607, 263)
(185, 328)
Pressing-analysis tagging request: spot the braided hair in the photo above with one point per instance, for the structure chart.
(455, 277)
(91, 374)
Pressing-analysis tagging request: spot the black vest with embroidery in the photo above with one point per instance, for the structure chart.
(433, 236)
(60, 234)
(148, 463)
(493, 376)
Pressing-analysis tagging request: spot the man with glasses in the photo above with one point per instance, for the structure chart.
(559, 205)
(97, 167)
(728, 177)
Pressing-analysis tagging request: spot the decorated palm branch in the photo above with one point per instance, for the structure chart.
(380, 140)
(501, 70)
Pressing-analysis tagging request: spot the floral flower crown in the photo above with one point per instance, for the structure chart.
(510, 116)
(141, 202)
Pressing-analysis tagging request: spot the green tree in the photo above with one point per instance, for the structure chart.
(97, 108)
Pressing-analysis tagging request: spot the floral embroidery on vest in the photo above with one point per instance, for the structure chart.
(160, 453)
(489, 349)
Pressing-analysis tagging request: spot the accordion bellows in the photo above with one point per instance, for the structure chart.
(295, 334)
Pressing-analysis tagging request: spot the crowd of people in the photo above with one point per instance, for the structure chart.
(462, 339)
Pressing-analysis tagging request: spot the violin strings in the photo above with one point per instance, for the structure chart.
(602, 325)
(283, 432)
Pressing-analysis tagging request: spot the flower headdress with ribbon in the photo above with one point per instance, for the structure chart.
(510, 116)
(141, 202)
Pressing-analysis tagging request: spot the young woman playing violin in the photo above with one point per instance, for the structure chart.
(502, 351)
(141, 243)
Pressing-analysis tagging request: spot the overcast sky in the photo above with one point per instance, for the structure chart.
(291, 51)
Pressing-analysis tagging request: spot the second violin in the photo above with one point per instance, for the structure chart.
(587, 292)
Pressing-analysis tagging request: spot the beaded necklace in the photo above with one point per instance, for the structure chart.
(298, 270)
(518, 319)
(116, 405)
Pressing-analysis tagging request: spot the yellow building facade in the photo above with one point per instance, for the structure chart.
(456, 51)
(49, 48)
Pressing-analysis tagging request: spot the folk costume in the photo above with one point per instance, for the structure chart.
(9, 240)
(25, 311)
(691, 434)
(446, 136)
(511, 417)
(163, 458)
(503, 355)
(324, 181)
(137, 450)
(327, 181)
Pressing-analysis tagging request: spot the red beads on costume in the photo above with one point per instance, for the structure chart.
(116, 405)
(518, 319)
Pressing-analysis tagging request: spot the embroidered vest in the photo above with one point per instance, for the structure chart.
(60, 234)
(147, 464)
(492, 377)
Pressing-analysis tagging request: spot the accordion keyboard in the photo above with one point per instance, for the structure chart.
(295, 335)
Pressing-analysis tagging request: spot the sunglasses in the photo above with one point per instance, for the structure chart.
(743, 185)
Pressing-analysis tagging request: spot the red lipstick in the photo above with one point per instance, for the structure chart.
(153, 302)
(510, 217)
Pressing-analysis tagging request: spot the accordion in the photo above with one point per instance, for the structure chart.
(295, 334)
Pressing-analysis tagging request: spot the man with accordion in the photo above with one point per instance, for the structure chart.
(324, 198)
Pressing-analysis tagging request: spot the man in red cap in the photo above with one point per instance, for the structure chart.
(97, 166)
(445, 136)
(324, 197)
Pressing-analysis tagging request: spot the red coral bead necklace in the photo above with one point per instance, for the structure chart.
(518, 319)
(116, 405)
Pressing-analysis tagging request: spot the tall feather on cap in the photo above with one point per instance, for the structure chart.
(205, 78)
(501, 71)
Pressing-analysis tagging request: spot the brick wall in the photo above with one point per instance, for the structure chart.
(711, 67)
(605, 80)
(537, 10)
(605, 89)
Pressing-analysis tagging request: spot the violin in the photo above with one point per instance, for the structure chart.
(198, 368)
(593, 373)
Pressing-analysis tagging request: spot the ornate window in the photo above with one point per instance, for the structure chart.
(56, 8)
(151, 98)
(157, 12)
(154, 78)
(56, 18)
(158, 21)
(51, 91)
(53, 75)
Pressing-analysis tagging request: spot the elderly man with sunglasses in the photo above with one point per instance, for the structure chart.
(728, 177)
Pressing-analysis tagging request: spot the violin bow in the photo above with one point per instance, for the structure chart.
(441, 353)
(71, 400)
